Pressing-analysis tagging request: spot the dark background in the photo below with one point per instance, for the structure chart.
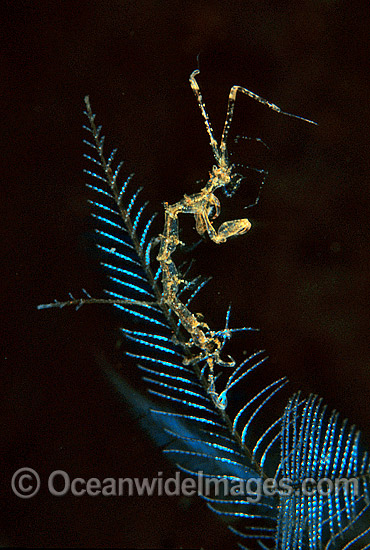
(301, 274)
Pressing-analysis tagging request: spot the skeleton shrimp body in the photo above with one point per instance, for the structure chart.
(200, 205)
(205, 207)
